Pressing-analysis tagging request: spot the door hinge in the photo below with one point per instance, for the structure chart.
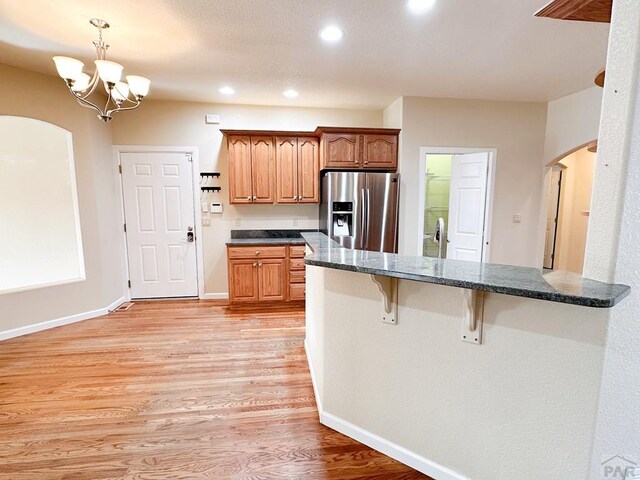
(125, 227)
(129, 283)
(120, 169)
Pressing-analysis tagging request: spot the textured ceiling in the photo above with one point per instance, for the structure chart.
(489, 49)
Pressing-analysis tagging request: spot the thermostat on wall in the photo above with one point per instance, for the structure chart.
(212, 118)
(216, 208)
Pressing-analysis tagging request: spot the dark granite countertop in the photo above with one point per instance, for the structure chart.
(553, 286)
(267, 237)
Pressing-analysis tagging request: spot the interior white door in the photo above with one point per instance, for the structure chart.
(467, 202)
(160, 220)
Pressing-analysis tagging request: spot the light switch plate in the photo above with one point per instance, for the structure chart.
(205, 207)
(517, 218)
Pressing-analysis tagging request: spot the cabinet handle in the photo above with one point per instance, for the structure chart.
(249, 198)
(254, 198)
(257, 252)
(259, 265)
(255, 264)
(366, 162)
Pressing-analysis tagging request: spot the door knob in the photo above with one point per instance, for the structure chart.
(190, 236)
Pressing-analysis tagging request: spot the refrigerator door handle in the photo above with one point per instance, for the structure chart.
(363, 213)
(367, 212)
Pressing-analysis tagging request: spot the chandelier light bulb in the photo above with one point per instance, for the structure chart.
(120, 92)
(81, 83)
(109, 72)
(68, 68)
(139, 86)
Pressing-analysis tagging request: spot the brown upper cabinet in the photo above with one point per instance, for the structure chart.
(297, 170)
(272, 167)
(363, 148)
(251, 169)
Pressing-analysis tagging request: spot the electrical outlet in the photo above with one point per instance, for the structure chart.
(517, 218)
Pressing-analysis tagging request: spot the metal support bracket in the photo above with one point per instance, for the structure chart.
(388, 286)
(472, 317)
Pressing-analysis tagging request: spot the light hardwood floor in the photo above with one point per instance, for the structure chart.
(172, 390)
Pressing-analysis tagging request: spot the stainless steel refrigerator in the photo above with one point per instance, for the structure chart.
(360, 210)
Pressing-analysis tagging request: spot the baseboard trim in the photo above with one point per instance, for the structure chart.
(376, 442)
(316, 393)
(390, 449)
(214, 296)
(58, 322)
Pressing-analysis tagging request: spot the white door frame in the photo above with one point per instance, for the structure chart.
(197, 228)
(491, 178)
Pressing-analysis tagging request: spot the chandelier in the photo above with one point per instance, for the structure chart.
(121, 95)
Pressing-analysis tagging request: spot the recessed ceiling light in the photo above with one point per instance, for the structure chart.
(227, 91)
(290, 93)
(331, 34)
(420, 6)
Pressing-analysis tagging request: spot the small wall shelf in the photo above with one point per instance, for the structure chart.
(210, 189)
(210, 174)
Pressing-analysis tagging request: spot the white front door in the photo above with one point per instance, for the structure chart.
(160, 222)
(467, 202)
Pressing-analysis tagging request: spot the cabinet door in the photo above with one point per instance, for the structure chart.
(243, 280)
(308, 170)
(341, 150)
(263, 169)
(239, 169)
(381, 151)
(271, 279)
(287, 169)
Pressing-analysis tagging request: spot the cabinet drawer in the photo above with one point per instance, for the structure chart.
(297, 276)
(257, 251)
(296, 291)
(296, 264)
(296, 251)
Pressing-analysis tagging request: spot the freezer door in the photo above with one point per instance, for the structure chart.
(381, 198)
(345, 187)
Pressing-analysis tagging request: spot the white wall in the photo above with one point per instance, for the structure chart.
(516, 129)
(42, 97)
(572, 122)
(521, 405)
(182, 123)
(613, 237)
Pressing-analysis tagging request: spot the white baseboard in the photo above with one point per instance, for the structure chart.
(376, 442)
(214, 296)
(390, 449)
(313, 379)
(58, 322)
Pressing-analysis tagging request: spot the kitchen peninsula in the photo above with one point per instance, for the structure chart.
(417, 390)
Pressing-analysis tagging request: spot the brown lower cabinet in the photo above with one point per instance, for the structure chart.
(261, 273)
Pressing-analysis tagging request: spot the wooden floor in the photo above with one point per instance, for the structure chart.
(171, 390)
